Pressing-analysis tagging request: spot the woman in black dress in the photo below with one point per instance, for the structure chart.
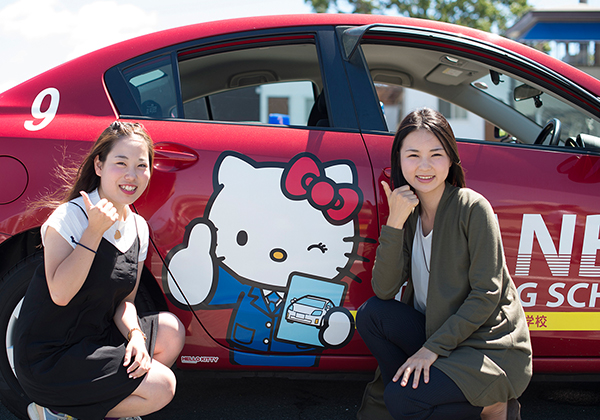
(82, 348)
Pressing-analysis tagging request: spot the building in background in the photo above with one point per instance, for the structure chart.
(573, 30)
(403, 100)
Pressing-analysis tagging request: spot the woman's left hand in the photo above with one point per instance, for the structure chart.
(419, 362)
(137, 354)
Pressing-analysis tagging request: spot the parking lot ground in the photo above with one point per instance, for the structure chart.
(277, 398)
(263, 398)
(561, 401)
(200, 396)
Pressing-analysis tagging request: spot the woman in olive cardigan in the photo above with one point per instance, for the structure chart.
(457, 346)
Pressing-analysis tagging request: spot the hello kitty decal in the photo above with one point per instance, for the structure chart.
(274, 244)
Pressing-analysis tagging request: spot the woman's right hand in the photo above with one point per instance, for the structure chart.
(418, 363)
(101, 216)
(402, 201)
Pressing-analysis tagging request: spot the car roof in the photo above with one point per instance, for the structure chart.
(80, 74)
(165, 38)
(116, 53)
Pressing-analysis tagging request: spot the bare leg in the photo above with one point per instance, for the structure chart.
(156, 391)
(170, 339)
(494, 412)
(158, 386)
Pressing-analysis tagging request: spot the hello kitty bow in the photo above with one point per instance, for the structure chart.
(305, 179)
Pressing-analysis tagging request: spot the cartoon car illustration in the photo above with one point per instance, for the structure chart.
(247, 210)
(308, 310)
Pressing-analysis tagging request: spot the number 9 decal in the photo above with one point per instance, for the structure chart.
(48, 115)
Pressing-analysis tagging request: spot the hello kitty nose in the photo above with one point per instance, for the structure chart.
(278, 255)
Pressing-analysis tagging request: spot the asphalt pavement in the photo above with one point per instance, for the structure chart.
(262, 398)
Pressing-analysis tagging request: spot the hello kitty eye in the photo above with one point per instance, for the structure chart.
(320, 246)
(242, 238)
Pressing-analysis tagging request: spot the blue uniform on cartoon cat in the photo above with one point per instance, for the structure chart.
(272, 229)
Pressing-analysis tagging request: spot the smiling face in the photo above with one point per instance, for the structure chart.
(125, 173)
(424, 162)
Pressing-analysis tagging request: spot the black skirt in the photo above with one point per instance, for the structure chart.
(70, 358)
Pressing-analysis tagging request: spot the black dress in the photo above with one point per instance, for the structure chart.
(70, 358)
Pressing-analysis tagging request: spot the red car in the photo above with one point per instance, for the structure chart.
(272, 136)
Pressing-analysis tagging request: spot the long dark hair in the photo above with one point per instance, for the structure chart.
(434, 122)
(74, 179)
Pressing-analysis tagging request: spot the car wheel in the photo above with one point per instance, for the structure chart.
(12, 289)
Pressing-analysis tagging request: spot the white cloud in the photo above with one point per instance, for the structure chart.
(36, 35)
(103, 23)
(92, 26)
(35, 19)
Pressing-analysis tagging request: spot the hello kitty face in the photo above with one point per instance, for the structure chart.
(273, 221)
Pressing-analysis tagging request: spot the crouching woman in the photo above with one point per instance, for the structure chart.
(83, 350)
(457, 346)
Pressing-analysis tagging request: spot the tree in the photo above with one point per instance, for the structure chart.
(487, 15)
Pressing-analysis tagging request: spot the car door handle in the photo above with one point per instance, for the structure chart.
(387, 172)
(169, 157)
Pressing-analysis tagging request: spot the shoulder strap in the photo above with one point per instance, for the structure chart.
(134, 221)
(137, 232)
(81, 208)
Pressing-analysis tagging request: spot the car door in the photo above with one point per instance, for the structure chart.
(545, 195)
(262, 193)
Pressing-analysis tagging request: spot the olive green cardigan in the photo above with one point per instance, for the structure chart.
(474, 320)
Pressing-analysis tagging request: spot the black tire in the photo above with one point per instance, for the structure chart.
(12, 289)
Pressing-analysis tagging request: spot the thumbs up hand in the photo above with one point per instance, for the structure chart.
(101, 216)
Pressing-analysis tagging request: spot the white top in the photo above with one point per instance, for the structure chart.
(68, 220)
(420, 261)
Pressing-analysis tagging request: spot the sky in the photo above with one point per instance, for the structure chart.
(37, 35)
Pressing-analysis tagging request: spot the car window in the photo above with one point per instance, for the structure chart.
(285, 103)
(480, 101)
(537, 105)
(152, 86)
(397, 101)
(276, 84)
(311, 302)
(250, 82)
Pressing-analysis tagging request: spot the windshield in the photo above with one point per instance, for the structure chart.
(538, 108)
(311, 302)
